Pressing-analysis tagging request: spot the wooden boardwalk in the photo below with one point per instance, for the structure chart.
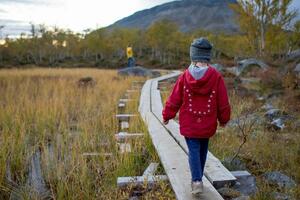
(172, 149)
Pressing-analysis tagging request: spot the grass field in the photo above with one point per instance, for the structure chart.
(48, 118)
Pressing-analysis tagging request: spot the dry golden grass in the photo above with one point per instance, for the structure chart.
(45, 110)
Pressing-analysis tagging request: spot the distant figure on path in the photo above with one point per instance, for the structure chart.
(201, 97)
(130, 58)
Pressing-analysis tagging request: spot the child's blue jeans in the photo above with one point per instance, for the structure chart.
(198, 148)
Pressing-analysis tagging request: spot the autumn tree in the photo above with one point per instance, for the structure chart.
(260, 19)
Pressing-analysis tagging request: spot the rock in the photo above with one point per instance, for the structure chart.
(280, 196)
(246, 64)
(236, 164)
(242, 198)
(218, 67)
(294, 55)
(138, 71)
(273, 113)
(267, 106)
(260, 98)
(279, 179)
(277, 124)
(245, 183)
(86, 81)
(257, 119)
(228, 192)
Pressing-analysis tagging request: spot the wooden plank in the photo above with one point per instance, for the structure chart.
(125, 135)
(239, 174)
(138, 82)
(214, 170)
(121, 105)
(144, 106)
(132, 91)
(124, 125)
(97, 154)
(140, 180)
(175, 162)
(125, 100)
(151, 169)
(125, 117)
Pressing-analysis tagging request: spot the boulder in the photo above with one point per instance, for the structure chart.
(245, 183)
(294, 55)
(279, 179)
(235, 164)
(273, 113)
(277, 124)
(138, 71)
(267, 106)
(246, 64)
(248, 119)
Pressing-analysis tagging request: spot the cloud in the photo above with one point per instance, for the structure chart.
(13, 28)
(35, 2)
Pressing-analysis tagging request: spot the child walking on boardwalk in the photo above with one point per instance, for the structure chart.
(201, 97)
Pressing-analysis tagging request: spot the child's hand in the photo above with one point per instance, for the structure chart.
(166, 122)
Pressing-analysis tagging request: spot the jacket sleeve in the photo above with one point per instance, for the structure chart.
(223, 106)
(174, 101)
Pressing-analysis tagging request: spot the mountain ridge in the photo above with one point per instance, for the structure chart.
(189, 15)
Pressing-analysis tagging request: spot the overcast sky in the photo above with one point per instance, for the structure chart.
(76, 15)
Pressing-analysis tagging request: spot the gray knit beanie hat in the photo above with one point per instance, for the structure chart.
(200, 50)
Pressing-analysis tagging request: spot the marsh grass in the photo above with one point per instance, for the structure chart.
(46, 111)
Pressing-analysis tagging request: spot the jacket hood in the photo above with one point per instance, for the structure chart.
(205, 84)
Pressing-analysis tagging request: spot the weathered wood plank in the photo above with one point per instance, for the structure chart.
(132, 91)
(125, 135)
(214, 170)
(151, 169)
(125, 117)
(97, 154)
(239, 174)
(140, 180)
(121, 105)
(124, 125)
(125, 100)
(175, 162)
(144, 106)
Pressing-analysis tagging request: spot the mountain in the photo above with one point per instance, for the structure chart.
(211, 15)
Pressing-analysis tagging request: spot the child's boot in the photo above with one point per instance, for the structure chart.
(197, 187)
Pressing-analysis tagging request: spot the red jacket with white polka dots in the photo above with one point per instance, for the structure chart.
(201, 103)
